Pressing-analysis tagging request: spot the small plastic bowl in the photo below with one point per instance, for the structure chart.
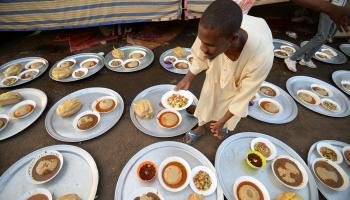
(168, 63)
(29, 70)
(334, 54)
(9, 77)
(276, 51)
(268, 143)
(322, 56)
(144, 190)
(331, 147)
(76, 119)
(43, 62)
(283, 47)
(263, 159)
(36, 191)
(84, 70)
(189, 58)
(143, 164)
(7, 118)
(182, 61)
(137, 52)
(22, 103)
(346, 148)
(37, 158)
(185, 93)
(280, 108)
(131, 60)
(169, 110)
(269, 85)
(333, 102)
(115, 66)
(64, 60)
(301, 168)
(345, 82)
(315, 96)
(212, 176)
(330, 93)
(257, 183)
(187, 168)
(338, 168)
(94, 104)
(88, 60)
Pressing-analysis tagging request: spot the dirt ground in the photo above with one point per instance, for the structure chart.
(113, 149)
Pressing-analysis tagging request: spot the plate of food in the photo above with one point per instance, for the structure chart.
(318, 96)
(77, 67)
(283, 49)
(328, 54)
(129, 58)
(290, 169)
(332, 176)
(247, 187)
(19, 109)
(77, 180)
(171, 164)
(177, 100)
(342, 79)
(149, 114)
(23, 70)
(37, 193)
(177, 60)
(84, 114)
(273, 105)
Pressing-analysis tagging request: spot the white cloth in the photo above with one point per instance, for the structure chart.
(230, 85)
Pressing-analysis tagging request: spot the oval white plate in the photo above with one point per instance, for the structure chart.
(315, 96)
(174, 159)
(301, 168)
(113, 66)
(76, 119)
(70, 59)
(333, 102)
(22, 103)
(330, 93)
(85, 70)
(320, 54)
(182, 61)
(287, 46)
(338, 168)
(269, 144)
(214, 182)
(9, 77)
(169, 110)
(329, 146)
(29, 70)
(184, 93)
(137, 51)
(34, 61)
(277, 91)
(280, 56)
(261, 186)
(346, 148)
(35, 160)
(88, 60)
(343, 82)
(3, 116)
(102, 98)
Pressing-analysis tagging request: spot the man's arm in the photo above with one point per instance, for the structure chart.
(340, 15)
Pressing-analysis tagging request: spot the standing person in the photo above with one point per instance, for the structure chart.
(326, 27)
(236, 53)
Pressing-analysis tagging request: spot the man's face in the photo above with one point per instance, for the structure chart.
(213, 41)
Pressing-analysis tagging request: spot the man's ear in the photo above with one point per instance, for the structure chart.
(233, 38)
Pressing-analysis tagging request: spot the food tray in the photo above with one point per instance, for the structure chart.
(145, 62)
(230, 164)
(174, 69)
(150, 126)
(304, 82)
(18, 125)
(80, 58)
(79, 175)
(62, 128)
(22, 61)
(327, 192)
(128, 181)
(290, 109)
(339, 59)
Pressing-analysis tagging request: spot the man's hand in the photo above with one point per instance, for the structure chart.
(341, 16)
(215, 128)
(185, 83)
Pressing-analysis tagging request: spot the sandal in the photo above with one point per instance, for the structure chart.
(191, 137)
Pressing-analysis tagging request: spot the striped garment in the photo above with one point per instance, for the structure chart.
(23, 15)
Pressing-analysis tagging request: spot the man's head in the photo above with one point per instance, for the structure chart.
(219, 27)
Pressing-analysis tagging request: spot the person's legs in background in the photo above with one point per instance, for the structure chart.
(306, 52)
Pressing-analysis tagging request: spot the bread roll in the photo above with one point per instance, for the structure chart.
(68, 107)
(195, 196)
(13, 70)
(117, 53)
(289, 196)
(69, 197)
(144, 109)
(9, 98)
(179, 52)
(61, 72)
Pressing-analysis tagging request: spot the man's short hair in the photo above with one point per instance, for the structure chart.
(223, 14)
